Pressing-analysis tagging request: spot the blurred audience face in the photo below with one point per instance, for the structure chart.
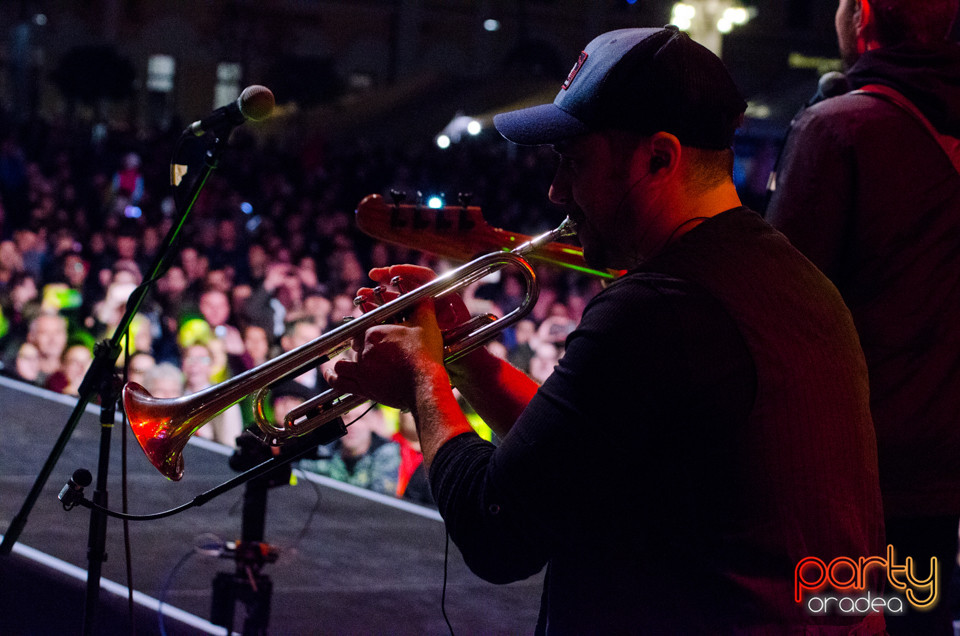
(303, 332)
(75, 270)
(257, 259)
(215, 307)
(219, 279)
(27, 365)
(127, 247)
(173, 283)
(343, 307)
(164, 380)
(76, 361)
(197, 366)
(24, 291)
(283, 404)
(238, 298)
(49, 333)
(256, 343)
(359, 435)
(544, 358)
(140, 364)
(318, 307)
(525, 330)
(10, 259)
(194, 264)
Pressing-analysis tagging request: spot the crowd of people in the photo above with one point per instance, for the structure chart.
(268, 259)
(751, 399)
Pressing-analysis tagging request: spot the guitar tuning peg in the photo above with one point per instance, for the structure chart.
(398, 197)
(464, 222)
(464, 198)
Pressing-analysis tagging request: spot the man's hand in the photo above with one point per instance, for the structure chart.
(393, 362)
(450, 308)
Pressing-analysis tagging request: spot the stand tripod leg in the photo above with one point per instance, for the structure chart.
(223, 601)
(246, 584)
(255, 591)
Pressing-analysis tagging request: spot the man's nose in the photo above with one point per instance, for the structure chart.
(559, 192)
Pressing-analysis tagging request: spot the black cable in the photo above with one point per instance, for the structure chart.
(123, 494)
(443, 591)
(319, 436)
(309, 521)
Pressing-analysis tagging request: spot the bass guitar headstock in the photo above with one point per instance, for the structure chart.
(457, 232)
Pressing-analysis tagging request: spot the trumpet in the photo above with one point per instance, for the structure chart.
(164, 426)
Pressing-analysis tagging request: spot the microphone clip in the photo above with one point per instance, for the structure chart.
(72, 492)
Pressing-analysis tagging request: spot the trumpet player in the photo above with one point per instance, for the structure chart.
(708, 426)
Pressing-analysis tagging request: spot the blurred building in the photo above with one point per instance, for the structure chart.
(154, 60)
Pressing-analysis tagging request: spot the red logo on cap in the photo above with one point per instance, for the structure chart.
(576, 69)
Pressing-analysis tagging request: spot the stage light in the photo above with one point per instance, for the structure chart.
(491, 25)
(246, 208)
(455, 131)
(736, 15)
(435, 202)
(682, 15)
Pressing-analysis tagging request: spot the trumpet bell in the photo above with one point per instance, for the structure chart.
(161, 438)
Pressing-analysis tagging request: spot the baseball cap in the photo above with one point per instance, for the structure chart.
(643, 80)
(291, 388)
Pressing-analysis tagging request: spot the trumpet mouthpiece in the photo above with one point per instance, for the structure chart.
(567, 228)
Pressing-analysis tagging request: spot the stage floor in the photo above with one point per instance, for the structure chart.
(349, 561)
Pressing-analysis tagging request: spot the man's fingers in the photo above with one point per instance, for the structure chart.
(412, 275)
(342, 377)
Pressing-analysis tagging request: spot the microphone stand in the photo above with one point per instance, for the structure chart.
(101, 380)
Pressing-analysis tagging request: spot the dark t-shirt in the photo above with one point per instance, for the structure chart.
(707, 428)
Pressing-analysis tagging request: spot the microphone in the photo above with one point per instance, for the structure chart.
(255, 103)
(72, 493)
(831, 84)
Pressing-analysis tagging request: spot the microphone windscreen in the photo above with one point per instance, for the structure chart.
(256, 102)
(833, 84)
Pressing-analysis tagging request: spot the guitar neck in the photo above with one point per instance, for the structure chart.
(457, 232)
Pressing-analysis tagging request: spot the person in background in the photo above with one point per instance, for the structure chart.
(141, 362)
(868, 188)
(164, 380)
(296, 334)
(26, 365)
(708, 426)
(523, 345)
(198, 370)
(361, 457)
(214, 306)
(76, 360)
(412, 481)
(48, 333)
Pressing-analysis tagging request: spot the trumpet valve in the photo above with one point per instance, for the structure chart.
(397, 282)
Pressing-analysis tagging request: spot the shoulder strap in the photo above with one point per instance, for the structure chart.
(950, 145)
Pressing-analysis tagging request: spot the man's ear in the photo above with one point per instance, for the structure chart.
(664, 152)
(863, 15)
